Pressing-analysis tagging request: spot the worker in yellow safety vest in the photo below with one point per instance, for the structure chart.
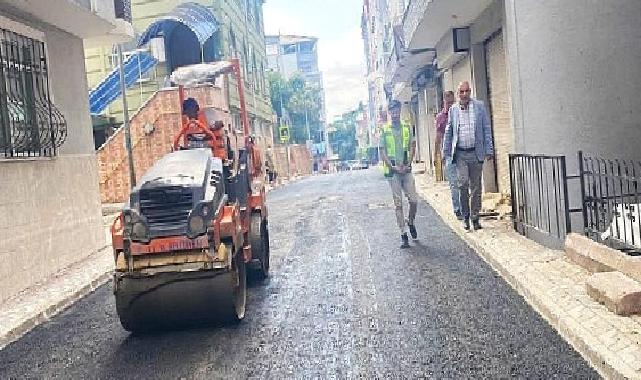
(397, 151)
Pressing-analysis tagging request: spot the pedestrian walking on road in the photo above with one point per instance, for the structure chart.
(397, 151)
(450, 168)
(467, 143)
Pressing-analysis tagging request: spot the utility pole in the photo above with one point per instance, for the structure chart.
(125, 116)
(289, 173)
(309, 133)
(310, 142)
(280, 98)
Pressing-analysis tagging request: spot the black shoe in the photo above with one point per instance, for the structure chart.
(466, 224)
(458, 214)
(405, 241)
(476, 224)
(412, 229)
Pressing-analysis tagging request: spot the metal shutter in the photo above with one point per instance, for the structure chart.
(461, 72)
(500, 108)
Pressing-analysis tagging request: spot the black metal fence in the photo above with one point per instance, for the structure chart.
(540, 201)
(30, 125)
(610, 195)
(611, 192)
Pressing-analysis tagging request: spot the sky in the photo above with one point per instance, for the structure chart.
(336, 23)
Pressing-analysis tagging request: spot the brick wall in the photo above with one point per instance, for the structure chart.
(162, 112)
(300, 160)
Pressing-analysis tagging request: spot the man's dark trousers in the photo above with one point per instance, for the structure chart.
(469, 171)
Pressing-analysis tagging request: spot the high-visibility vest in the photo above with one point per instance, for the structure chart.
(390, 144)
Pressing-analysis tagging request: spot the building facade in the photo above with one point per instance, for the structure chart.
(556, 77)
(294, 54)
(240, 33)
(50, 214)
(377, 29)
(290, 54)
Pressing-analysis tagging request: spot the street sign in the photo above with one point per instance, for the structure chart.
(284, 133)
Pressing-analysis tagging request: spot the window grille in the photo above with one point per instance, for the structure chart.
(30, 125)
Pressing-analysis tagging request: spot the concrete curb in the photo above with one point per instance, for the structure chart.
(31, 319)
(563, 327)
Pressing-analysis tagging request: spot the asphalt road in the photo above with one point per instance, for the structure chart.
(343, 301)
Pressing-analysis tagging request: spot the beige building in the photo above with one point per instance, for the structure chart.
(50, 213)
(377, 29)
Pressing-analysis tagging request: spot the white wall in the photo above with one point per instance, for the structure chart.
(69, 90)
(50, 213)
(575, 68)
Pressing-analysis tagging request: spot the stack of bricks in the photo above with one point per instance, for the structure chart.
(153, 129)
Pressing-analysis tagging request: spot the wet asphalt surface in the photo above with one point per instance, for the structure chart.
(343, 301)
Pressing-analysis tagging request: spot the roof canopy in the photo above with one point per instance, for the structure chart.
(198, 18)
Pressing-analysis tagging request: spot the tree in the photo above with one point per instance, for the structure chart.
(301, 106)
(344, 140)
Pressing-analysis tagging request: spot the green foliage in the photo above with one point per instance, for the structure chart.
(343, 140)
(300, 104)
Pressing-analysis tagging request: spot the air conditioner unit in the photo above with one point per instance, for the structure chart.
(453, 47)
(461, 39)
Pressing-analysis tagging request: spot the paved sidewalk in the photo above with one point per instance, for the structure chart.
(42, 301)
(554, 286)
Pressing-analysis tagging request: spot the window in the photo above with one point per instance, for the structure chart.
(289, 49)
(306, 67)
(307, 47)
(233, 49)
(259, 22)
(245, 58)
(148, 76)
(272, 49)
(30, 125)
(254, 73)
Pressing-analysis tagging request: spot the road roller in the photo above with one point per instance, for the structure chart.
(196, 225)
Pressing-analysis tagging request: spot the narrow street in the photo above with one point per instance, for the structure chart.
(343, 301)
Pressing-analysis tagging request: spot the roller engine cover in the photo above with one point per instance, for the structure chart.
(179, 184)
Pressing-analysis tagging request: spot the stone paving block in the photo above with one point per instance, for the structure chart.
(618, 292)
(597, 257)
(578, 250)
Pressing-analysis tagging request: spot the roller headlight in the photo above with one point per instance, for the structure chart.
(135, 225)
(199, 219)
(197, 225)
(139, 231)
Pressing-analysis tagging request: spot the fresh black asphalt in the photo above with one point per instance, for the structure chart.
(343, 301)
